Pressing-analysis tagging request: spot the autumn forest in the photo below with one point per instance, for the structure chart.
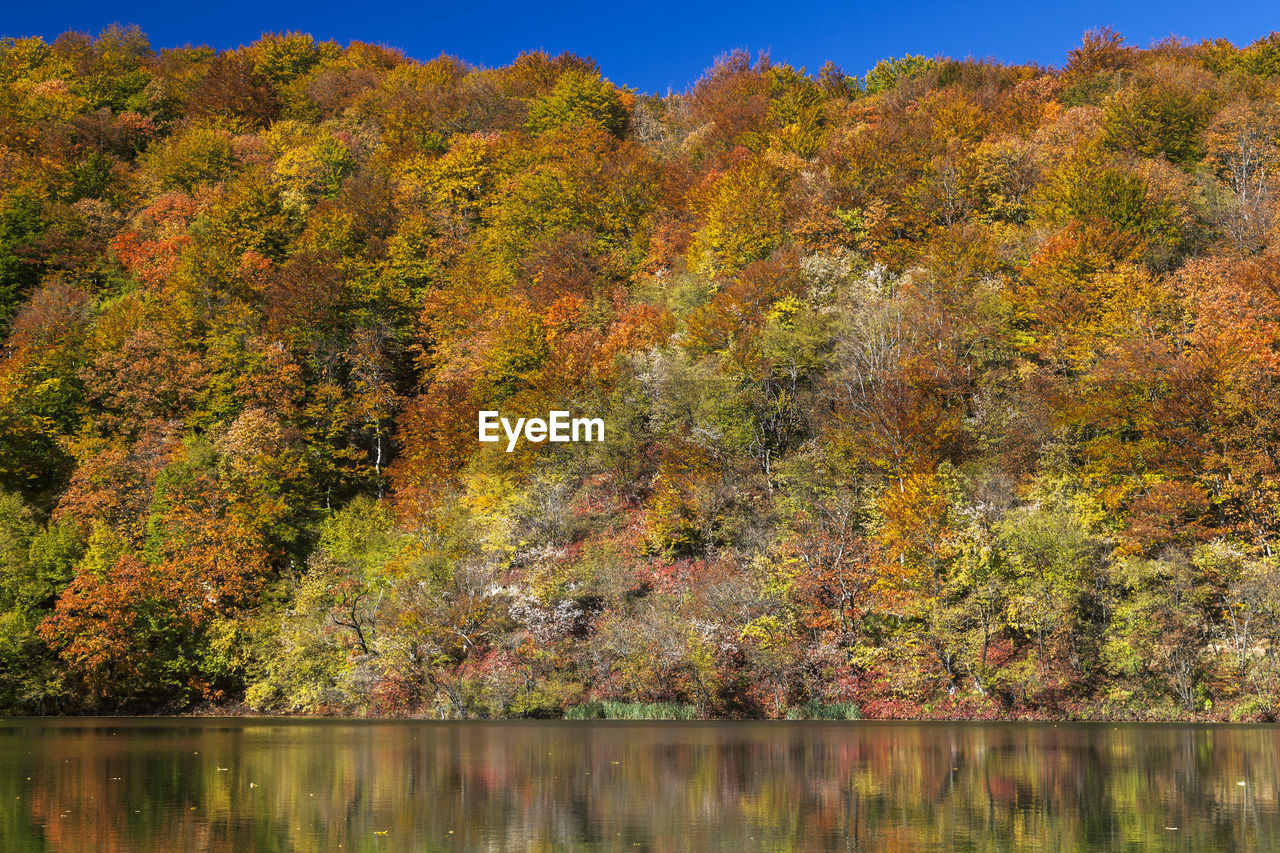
(947, 389)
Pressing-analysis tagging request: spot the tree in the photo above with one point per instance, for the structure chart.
(579, 97)
(741, 220)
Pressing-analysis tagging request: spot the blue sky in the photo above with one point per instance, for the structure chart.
(667, 44)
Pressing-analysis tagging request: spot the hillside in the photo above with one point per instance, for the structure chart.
(950, 389)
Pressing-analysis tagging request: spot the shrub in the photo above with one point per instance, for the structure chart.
(814, 710)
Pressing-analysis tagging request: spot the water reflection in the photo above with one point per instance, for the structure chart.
(254, 785)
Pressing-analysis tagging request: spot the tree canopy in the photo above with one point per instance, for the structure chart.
(953, 389)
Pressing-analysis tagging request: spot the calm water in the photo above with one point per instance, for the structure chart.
(254, 785)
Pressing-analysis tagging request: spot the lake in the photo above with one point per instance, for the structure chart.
(241, 785)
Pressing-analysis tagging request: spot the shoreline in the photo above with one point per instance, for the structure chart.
(922, 719)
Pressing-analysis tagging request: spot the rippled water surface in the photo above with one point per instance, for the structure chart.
(244, 785)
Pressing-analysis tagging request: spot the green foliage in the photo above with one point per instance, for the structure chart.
(280, 58)
(741, 222)
(1262, 58)
(797, 110)
(55, 551)
(609, 710)
(22, 222)
(813, 710)
(1159, 119)
(299, 665)
(115, 68)
(17, 528)
(253, 216)
(36, 565)
(309, 646)
(360, 536)
(888, 73)
(1096, 193)
(579, 98)
(317, 170)
(201, 154)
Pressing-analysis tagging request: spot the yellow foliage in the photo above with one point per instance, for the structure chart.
(741, 221)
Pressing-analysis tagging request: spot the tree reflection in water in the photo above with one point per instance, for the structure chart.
(265, 785)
